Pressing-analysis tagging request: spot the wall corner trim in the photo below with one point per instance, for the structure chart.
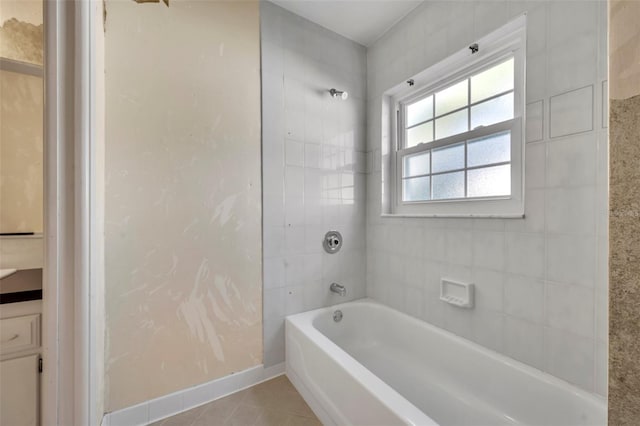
(186, 399)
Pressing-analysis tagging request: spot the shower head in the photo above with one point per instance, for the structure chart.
(338, 93)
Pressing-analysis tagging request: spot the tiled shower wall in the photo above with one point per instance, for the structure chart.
(541, 282)
(313, 168)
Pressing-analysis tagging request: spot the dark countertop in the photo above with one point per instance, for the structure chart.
(22, 286)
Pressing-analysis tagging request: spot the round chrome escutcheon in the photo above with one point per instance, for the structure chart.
(332, 242)
(337, 316)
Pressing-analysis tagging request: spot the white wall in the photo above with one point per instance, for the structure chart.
(313, 168)
(541, 281)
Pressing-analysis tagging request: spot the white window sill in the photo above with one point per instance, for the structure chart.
(454, 216)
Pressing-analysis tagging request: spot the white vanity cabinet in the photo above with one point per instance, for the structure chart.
(19, 363)
(19, 388)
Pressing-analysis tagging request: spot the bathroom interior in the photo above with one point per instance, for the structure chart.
(418, 212)
(21, 209)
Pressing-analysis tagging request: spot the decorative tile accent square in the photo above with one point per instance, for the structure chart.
(571, 112)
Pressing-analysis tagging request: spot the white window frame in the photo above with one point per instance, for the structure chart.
(502, 44)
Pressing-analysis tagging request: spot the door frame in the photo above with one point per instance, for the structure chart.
(73, 321)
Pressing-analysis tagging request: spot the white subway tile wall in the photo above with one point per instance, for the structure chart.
(314, 166)
(535, 119)
(541, 281)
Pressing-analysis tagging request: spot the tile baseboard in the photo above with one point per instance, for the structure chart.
(186, 399)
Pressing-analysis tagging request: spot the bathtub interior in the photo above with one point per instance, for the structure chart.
(454, 381)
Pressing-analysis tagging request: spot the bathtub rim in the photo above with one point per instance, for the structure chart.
(304, 322)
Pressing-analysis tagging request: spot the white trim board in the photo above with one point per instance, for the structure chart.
(67, 317)
(186, 399)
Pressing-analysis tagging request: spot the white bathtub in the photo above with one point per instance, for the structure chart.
(378, 366)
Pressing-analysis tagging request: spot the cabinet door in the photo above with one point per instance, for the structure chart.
(19, 397)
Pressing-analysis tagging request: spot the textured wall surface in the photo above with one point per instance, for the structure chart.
(183, 200)
(21, 28)
(541, 281)
(21, 113)
(21, 130)
(314, 163)
(624, 223)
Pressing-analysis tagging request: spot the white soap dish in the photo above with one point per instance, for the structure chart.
(457, 293)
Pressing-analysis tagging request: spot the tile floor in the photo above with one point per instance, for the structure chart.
(272, 403)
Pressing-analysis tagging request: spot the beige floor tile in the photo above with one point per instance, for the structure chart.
(272, 418)
(243, 415)
(293, 403)
(182, 419)
(277, 394)
(218, 411)
(208, 421)
(303, 421)
(261, 398)
(278, 384)
(272, 403)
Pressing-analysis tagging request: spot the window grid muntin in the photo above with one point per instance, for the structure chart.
(468, 106)
(464, 141)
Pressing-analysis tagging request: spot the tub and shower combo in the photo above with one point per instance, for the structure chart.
(362, 363)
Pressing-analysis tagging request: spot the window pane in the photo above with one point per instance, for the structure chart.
(489, 181)
(452, 124)
(493, 111)
(420, 111)
(449, 185)
(415, 189)
(420, 134)
(415, 165)
(453, 97)
(448, 158)
(489, 150)
(495, 80)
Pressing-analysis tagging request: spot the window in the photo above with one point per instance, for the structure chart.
(458, 139)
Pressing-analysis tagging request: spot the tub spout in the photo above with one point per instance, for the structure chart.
(338, 288)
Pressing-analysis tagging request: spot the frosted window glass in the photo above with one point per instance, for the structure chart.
(495, 80)
(493, 111)
(420, 111)
(415, 165)
(489, 181)
(420, 134)
(449, 185)
(415, 189)
(452, 124)
(452, 97)
(489, 150)
(448, 158)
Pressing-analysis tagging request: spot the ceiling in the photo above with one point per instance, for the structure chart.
(362, 21)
